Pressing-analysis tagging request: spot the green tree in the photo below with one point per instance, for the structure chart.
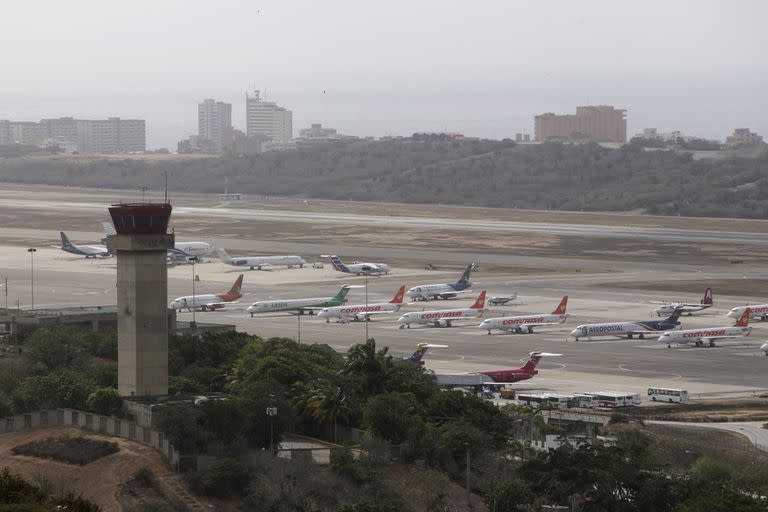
(105, 401)
(389, 415)
(328, 403)
(509, 496)
(225, 478)
(56, 348)
(61, 388)
(368, 367)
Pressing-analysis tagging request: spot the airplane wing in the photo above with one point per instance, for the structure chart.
(450, 295)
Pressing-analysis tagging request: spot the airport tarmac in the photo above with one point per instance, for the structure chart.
(735, 367)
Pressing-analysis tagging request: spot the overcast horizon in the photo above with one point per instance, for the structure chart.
(392, 69)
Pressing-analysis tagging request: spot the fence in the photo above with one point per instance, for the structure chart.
(107, 425)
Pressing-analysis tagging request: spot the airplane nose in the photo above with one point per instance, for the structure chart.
(733, 314)
(577, 333)
(402, 319)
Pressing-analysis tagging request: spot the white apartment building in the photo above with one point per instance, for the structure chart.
(267, 119)
(113, 135)
(215, 123)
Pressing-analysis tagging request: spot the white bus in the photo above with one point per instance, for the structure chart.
(550, 399)
(668, 395)
(615, 398)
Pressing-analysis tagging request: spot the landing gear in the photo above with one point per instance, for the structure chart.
(641, 336)
(489, 332)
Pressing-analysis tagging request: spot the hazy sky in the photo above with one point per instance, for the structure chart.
(484, 68)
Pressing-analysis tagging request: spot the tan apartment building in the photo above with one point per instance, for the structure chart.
(600, 123)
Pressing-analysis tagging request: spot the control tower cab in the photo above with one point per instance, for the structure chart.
(141, 245)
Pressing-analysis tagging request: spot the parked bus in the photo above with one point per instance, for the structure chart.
(545, 399)
(615, 398)
(668, 395)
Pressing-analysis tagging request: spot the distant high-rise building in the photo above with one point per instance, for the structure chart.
(215, 123)
(743, 137)
(113, 135)
(316, 131)
(601, 123)
(266, 118)
(5, 133)
(26, 133)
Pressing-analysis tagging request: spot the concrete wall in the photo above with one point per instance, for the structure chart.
(97, 423)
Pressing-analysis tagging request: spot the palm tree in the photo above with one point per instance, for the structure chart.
(326, 403)
(370, 366)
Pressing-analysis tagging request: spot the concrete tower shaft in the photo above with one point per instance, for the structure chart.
(142, 295)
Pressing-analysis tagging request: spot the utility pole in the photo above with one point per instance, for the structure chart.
(31, 252)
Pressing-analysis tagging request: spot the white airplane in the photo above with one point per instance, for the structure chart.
(89, 251)
(708, 336)
(501, 300)
(300, 305)
(526, 323)
(363, 312)
(187, 248)
(259, 262)
(443, 290)
(764, 348)
(757, 311)
(360, 269)
(209, 301)
(444, 317)
(667, 308)
(626, 329)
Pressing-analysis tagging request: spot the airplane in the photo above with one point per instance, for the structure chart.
(360, 269)
(258, 262)
(502, 299)
(628, 329)
(444, 290)
(209, 301)
(757, 311)
(300, 305)
(179, 248)
(507, 376)
(526, 323)
(708, 336)
(421, 350)
(362, 312)
(89, 251)
(667, 308)
(444, 317)
(764, 348)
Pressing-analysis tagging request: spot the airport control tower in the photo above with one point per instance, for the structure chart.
(140, 244)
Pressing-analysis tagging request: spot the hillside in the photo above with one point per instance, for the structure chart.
(480, 173)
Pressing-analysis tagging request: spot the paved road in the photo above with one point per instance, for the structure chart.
(256, 215)
(752, 430)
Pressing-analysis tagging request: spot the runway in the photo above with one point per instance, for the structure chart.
(409, 222)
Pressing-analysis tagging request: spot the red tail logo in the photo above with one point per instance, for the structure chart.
(398, 298)
(530, 366)
(744, 320)
(480, 302)
(707, 297)
(560, 310)
(234, 292)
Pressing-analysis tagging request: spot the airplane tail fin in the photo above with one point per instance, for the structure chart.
(463, 281)
(530, 365)
(338, 265)
(418, 356)
(342, 293)
(744, 320)
(480, 302)
(398, 298)
(560, 309)
(707, 297)
(65, 240)
(223, 255)
(235, 291)
(675, 315)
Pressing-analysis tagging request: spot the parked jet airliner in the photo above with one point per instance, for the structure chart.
(186, 248)
(444, 317)
(507, 376)
(708, 336)
(757, 311)
(89, 251)
(443, 290)
(526, 323)
(360, 269)
(626, 329)
(259, 262)
(300, 305)
(358, 312)
(667, 308)
(209, 301)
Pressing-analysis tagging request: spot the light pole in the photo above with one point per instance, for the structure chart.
(32, 252)
(271, 412)
(193, 260)
(366, 310)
